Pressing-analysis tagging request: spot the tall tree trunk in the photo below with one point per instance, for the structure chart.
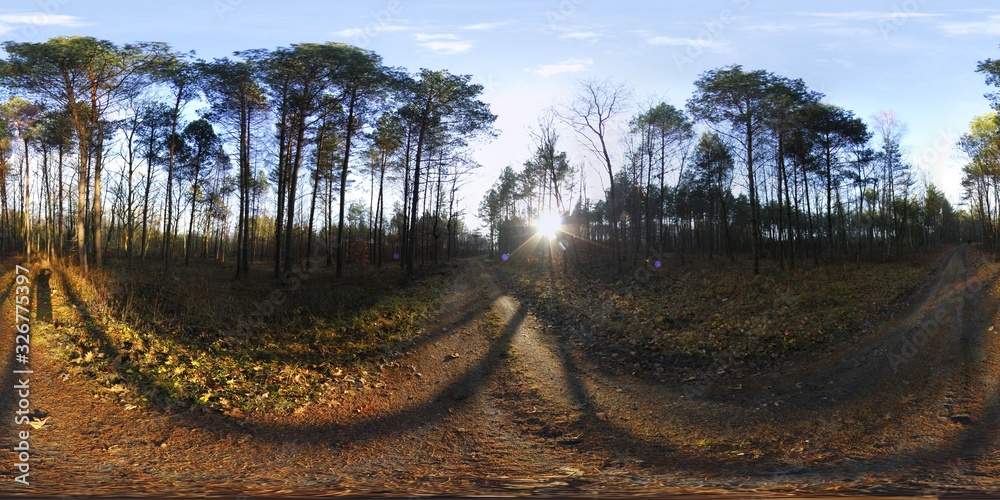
(174, 118)
(312, 212)
(5, 214)
(59, 219)
(809, 216)
(371, 218)
(421, 135)
(752, 188)
(293, 182)
(380, 212)
(27, 200)
(828, 157)
(404, 230)
(194, 199)
(49, 211)
(343, 180)
(792, 233)
(81, 202)
(284, 145)
(328, 230)
(780, 195)
(243, 222)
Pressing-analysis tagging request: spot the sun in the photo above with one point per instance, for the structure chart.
(548, 224)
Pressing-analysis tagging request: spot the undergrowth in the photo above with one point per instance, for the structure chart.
(193, 338)
(712, 313)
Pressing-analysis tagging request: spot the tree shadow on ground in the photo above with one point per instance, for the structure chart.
(43, 296)
(602, 435)
(608, 435)
(453, 396)
(9, 380)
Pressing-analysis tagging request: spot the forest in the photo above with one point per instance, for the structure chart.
(758, 164)
(259, 275)
(138, 152)
(144, 153)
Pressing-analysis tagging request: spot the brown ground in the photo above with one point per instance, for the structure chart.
(492, 401)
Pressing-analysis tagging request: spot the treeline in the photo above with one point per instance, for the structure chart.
(981, 173)
(756, 164)
(146, 153)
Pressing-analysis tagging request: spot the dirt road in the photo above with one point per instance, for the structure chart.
(491, 400)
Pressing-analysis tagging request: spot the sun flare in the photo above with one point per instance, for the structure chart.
(548, 224)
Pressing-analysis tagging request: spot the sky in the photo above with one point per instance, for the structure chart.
(916, 58)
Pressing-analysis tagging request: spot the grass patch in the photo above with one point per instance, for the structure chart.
(712, 312)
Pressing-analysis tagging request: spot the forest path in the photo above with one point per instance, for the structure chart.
(491, 400)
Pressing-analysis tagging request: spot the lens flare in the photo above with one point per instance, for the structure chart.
(548, 224)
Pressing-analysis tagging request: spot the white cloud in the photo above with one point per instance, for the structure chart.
(371, 30)
(986, 27)
(581, 35)
(568, 66)
(660, 40)
(851, 24)
(395, 27)
(843, 63)
(871, 15)
(771, 28)
(449, 47)
(349, 33)
(704, 41)
(11, 22)
(424, 37)
(41, 19)
(444, 43)
(485, 26)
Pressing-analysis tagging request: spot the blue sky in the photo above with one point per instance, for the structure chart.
(914, 57)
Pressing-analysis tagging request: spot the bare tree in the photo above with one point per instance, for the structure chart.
(592, 110)
(889, 132)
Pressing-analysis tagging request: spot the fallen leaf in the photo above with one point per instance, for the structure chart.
(570, 471)
(39, 423)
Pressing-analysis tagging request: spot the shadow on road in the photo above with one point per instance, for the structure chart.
(453, 396)
(456, 395)
(8, 379)
(43, 296)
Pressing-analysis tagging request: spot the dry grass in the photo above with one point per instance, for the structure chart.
(714, 312)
